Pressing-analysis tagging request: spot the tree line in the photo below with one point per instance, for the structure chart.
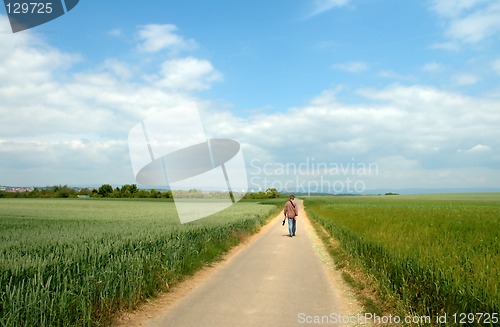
(104, 191)
(126, 191)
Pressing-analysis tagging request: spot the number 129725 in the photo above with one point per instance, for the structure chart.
(29, 8)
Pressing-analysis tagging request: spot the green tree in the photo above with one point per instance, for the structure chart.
(128, 191)
(167, 194)
(133, 188)
(105, 190)
(154, 193)
(272, 193)
(64, 192)
(85, 191)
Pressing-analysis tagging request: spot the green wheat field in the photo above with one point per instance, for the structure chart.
(438, 254)
(76, 262)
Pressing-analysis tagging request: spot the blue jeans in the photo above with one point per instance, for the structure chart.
(292, 225)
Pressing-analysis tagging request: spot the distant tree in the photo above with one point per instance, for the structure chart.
(35, 193)
(270, 193)
(142, 194)
(64, 192)
(128, 191)
(85, 191)
(273, 193)
(133, 188)
(154, 193)
(105, 190)
(167, 194)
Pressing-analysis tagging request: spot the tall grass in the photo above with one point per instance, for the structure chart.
(436, 256)
(76, 262)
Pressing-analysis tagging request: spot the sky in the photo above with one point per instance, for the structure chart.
(333, 96)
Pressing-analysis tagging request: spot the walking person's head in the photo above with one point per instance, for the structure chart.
(292, 197)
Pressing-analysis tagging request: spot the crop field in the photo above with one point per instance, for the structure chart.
(76, 262)
(438, 254)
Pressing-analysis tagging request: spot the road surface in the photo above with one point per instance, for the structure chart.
(276, 280)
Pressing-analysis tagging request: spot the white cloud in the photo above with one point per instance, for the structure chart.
(72, 127)
(154, 38)
(118, 68)
(413, 133)
(477, 26)
(115, 32)
(465, 79)
(454, 8)
(395, 76)
(352, 66)
(432, 67)
(67, 127)
(448, 46)
(322, 6)
(476, 149)
(33, 62)
(496, 66)
(469, 21)
(45, 162)
(187, 74)
(399, 119)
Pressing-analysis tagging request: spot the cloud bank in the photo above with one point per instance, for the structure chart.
(61, 125)
(468, 21)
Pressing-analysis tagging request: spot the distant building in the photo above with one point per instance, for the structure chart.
(18, 189)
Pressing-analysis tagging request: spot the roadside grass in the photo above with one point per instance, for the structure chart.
(430, 254)
(77, 262)
(362, 283)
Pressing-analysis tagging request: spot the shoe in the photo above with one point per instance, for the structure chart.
(293, 234)
(290, 235)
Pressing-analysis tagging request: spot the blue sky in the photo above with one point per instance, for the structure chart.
(411, 86)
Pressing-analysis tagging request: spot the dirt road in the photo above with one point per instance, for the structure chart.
(275, 280)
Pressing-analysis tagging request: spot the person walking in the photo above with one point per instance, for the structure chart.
(291, 212)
